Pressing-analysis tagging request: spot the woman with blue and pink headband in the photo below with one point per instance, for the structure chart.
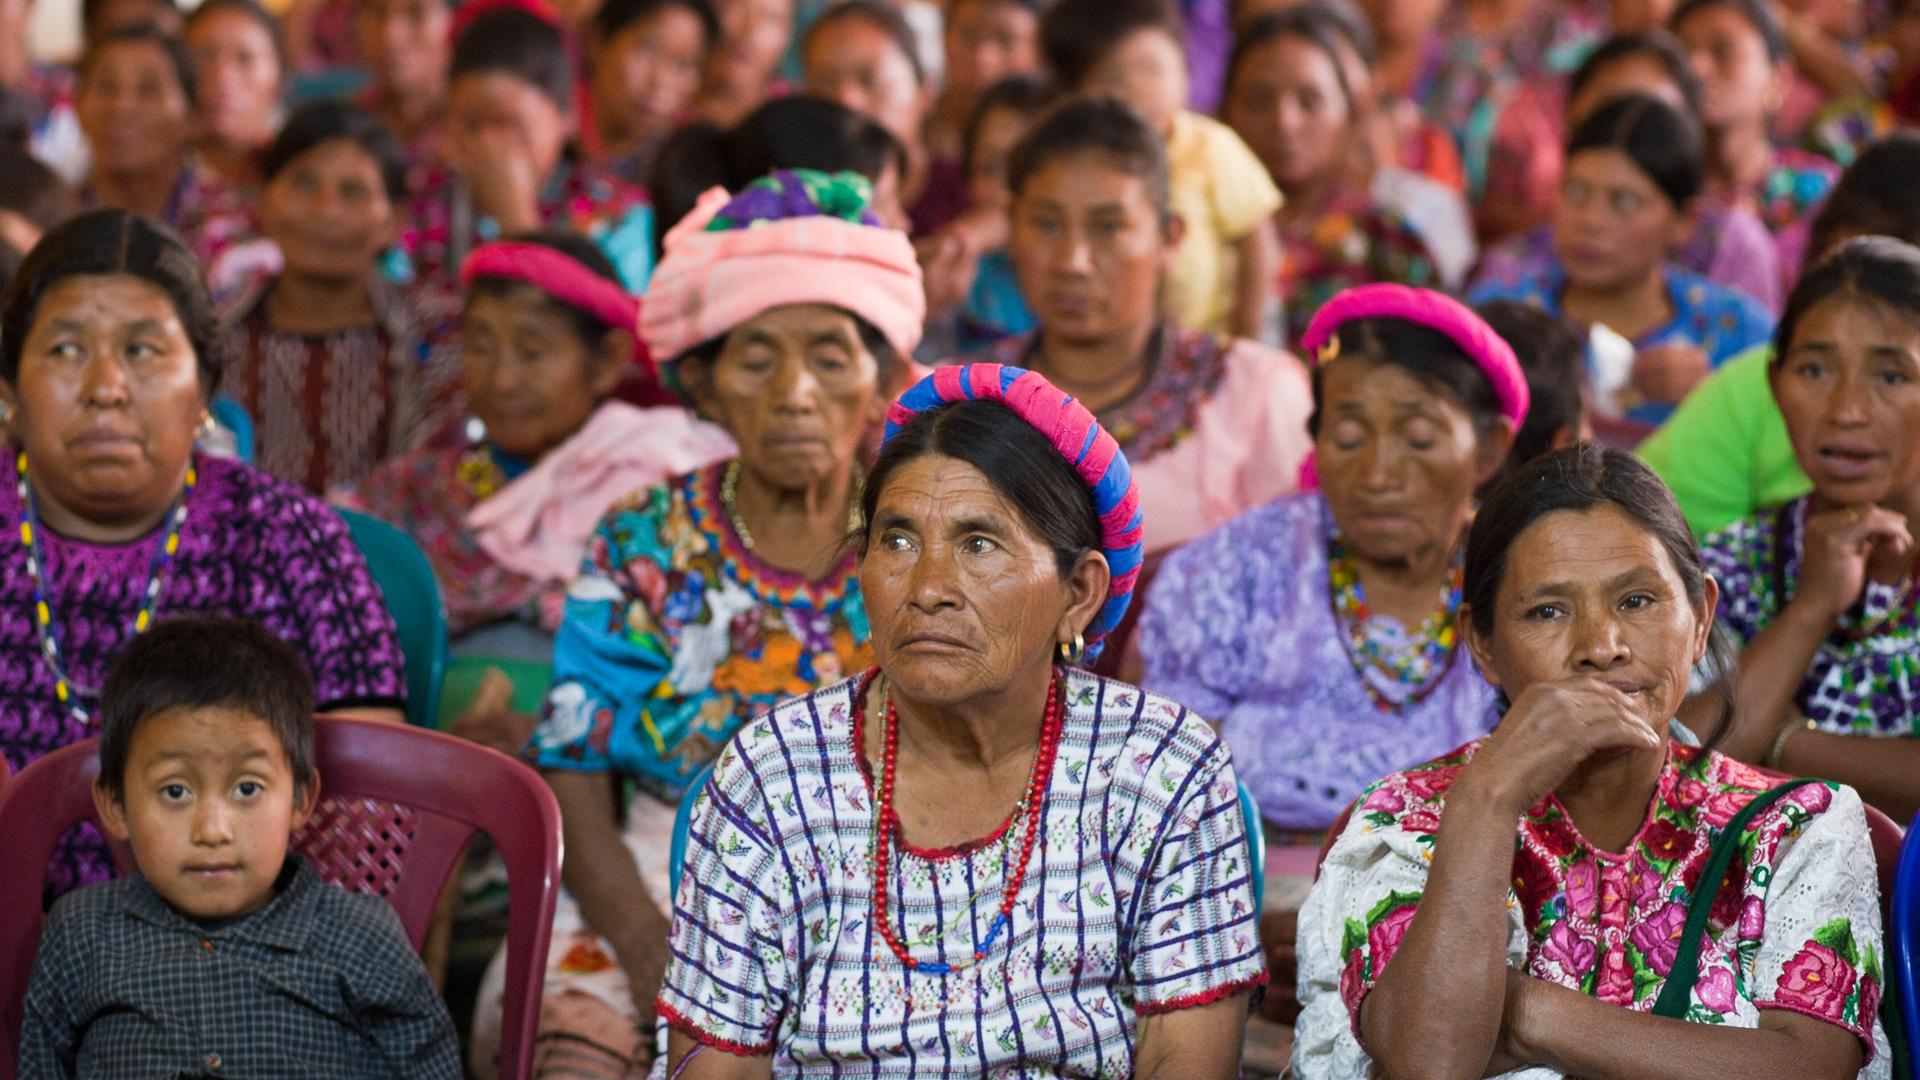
(1318, 630)
(973, 858)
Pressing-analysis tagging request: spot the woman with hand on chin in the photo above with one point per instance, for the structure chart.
(973, 859)
(1527, 903)
(1822, 590)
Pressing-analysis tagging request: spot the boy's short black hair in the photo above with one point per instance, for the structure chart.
(1077, 34)
(203, 662)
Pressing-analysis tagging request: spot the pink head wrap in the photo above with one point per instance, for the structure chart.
(565, 279)
(1488, 350)
(710, 281)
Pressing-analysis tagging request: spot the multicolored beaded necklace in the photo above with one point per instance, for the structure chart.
(1423, 667)
(1030, 808)
(64, 687)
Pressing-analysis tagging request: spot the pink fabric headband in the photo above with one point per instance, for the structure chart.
(1488, 350)
(565, 279)
(707, 283)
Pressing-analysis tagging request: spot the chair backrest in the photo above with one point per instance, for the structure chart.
(398, 807)
(1256, 849)
(406, 581)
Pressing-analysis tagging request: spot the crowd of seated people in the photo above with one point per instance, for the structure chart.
(925, 483)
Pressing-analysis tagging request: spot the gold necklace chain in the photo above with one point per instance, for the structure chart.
(730, 483)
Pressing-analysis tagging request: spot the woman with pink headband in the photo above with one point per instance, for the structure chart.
(1317, 630)
(707, 597)
(973, 858)
(505, 508)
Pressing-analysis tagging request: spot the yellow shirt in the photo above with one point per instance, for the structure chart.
(1221, 191)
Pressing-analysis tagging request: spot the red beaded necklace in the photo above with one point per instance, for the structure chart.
(885, 822)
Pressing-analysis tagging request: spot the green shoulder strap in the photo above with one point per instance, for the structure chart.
(1677, 994)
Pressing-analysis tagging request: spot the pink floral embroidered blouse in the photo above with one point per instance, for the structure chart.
(1795, 926)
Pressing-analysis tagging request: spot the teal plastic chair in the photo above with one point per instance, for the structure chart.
(1249, 811)
(229, 414)
(413, 598)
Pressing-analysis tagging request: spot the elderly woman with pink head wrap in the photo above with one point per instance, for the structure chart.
(973, 858)
(1318, 630)
(782, 312)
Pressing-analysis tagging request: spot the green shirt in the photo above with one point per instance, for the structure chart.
(1725, 451)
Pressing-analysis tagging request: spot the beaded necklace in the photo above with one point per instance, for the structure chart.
(64, 687)
(886, 822)
(730, 483)
(1425, 667)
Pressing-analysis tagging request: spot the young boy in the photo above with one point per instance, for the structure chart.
(1223, 272)
(224, 955)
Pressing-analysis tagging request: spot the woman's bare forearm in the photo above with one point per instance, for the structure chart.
(1885, 771)
(1572, 1033)
(1436, 1010)
(1771, 669)
(603, 880)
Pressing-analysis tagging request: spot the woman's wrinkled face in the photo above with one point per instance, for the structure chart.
(1089, 247)
(328, 211)
(1399, 460)
(798, 390)
(1849, 390)
(1611, 225)
(963, 596)
(753, 36)
(107, 397)
(1594, 594)
(1288, 105)
(859, 65)
(986, 41)
(529, 376)
(1147, 69)
(238, 71)
(405, 44)
(993, 141)
(495, 105)
(1741, 84)
(646, 76)
(133, 109)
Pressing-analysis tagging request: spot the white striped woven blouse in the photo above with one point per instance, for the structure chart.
(1137, 901)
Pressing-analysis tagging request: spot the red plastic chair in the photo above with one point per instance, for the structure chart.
(443, 789)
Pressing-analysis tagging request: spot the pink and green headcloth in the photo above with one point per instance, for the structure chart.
(1075, 434)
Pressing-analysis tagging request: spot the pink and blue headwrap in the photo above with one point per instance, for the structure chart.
(1078, 437)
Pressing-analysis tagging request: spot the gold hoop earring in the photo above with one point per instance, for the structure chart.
(1072, 653)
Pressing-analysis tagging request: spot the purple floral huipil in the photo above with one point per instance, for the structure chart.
(1239, 627)
(252, 547)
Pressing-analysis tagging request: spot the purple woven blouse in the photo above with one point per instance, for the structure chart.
(1239, 627)
(252, 547)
